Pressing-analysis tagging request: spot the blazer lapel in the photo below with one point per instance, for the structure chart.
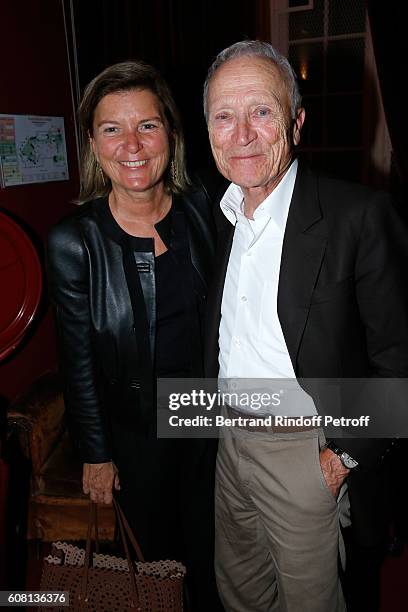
(303, 250)
(200, 231)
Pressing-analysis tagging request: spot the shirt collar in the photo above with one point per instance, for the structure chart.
(276, 205)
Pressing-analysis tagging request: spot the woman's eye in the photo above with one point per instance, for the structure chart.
(110, 129)
(145, 127)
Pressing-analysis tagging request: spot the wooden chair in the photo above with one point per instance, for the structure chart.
(58, 509)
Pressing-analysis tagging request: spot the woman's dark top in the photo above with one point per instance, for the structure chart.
(177, 350)
(172, 333)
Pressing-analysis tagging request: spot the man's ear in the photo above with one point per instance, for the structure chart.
(297, 125)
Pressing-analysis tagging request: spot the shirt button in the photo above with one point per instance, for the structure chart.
(244, 298)
(249, 254)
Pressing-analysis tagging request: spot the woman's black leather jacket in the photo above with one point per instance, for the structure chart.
(105, 335)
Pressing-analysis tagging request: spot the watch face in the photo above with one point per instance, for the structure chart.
(348, 462)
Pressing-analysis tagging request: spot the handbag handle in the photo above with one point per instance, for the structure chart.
(129, 532)
(92, 522)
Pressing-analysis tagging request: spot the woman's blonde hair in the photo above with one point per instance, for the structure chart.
(126, 76)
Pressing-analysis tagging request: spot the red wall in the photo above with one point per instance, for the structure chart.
(35, 80)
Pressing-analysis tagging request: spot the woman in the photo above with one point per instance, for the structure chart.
(128, 274)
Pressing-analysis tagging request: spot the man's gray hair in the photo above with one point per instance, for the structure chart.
(259, 49)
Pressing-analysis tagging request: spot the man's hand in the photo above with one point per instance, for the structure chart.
(333, 470)
(98, 479)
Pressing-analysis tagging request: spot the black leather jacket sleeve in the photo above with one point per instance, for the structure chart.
(68, 277)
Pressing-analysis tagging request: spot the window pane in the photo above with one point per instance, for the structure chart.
(344, 120)
(346, 17)
(307, 61)
(307, 23)
(345, 65)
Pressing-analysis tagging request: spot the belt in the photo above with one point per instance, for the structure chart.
(243, 421)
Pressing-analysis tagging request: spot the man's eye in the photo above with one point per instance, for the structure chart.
(111, 129)
(263, 112)
(221, 116)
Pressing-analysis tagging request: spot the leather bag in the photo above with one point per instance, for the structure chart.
(104, 582)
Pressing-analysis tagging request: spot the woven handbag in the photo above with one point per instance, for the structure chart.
(104, 583)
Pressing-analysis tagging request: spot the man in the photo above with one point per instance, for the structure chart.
(306, 286)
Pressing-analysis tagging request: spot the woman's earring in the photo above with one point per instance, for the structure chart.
(173, 170)
(101, 173)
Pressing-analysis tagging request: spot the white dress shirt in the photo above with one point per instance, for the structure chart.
(251, 340)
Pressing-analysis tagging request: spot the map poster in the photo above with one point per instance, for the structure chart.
(32, 150)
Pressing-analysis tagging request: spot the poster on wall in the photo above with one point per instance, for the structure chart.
(32, 150)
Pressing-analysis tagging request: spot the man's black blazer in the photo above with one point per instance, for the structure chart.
(342, 297)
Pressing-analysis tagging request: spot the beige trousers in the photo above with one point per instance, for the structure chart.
(277, 525)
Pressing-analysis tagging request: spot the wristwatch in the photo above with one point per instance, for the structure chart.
(345, 458)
